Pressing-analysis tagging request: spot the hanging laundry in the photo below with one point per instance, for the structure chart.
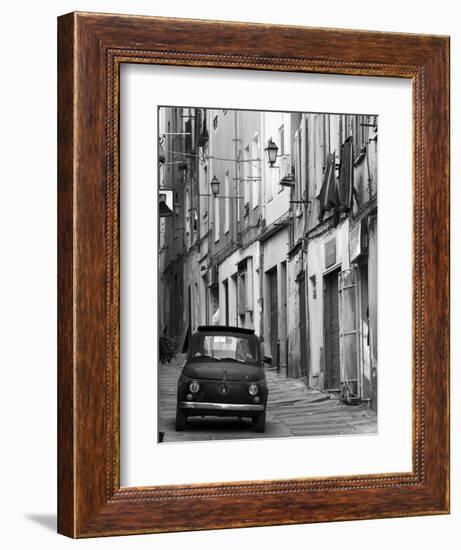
(346, 176)
(328, 196)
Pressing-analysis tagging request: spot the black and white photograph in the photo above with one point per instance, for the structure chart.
(197, 289)
(267, 274)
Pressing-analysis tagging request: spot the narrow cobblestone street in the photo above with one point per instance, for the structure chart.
(292, 410)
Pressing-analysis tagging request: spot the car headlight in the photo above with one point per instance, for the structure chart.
(194, 386)
(253, 389)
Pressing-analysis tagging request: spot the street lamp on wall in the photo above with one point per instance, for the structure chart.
(215, 186)
(182, 167)
(271, 152)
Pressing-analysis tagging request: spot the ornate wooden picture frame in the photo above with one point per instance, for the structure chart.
(92, 48)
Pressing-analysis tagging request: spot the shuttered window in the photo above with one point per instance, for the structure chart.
(255, 182)
(246, 174)
(216, 219)
(298, 168)
(226, 202)
(245, 286)
(241, 289)
(325, 141)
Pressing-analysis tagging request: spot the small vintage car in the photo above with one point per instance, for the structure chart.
(223, 376)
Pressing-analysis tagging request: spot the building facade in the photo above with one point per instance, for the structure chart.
(288, 248)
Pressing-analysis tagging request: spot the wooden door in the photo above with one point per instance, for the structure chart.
(226, 300)
(331, 332)
(302, 324)
(273, 313)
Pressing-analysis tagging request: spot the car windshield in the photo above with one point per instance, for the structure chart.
(224, 348)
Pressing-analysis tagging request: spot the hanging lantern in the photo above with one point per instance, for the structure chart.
(271, 152)
(215, 186)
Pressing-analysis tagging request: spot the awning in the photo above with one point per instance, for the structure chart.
(163, 209)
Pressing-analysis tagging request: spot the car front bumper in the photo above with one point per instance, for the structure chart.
(223, 407)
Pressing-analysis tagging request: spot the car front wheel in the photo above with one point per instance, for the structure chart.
(260, 422)
(180, 420)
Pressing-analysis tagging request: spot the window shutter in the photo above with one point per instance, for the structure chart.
(298, 167)
(340, 133)
(241, 293)
(249, 285)
(324, 142)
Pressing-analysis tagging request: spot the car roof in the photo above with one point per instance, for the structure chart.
(225, 328)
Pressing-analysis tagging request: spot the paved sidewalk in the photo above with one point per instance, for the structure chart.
(308, 412)
(292, 410)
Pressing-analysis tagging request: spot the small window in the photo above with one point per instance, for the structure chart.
(215, 122)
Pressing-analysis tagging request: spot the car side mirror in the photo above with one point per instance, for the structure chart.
(267, 360)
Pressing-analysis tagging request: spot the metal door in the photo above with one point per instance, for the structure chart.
(349, 343)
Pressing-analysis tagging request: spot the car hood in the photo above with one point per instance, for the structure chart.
(214, 370)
